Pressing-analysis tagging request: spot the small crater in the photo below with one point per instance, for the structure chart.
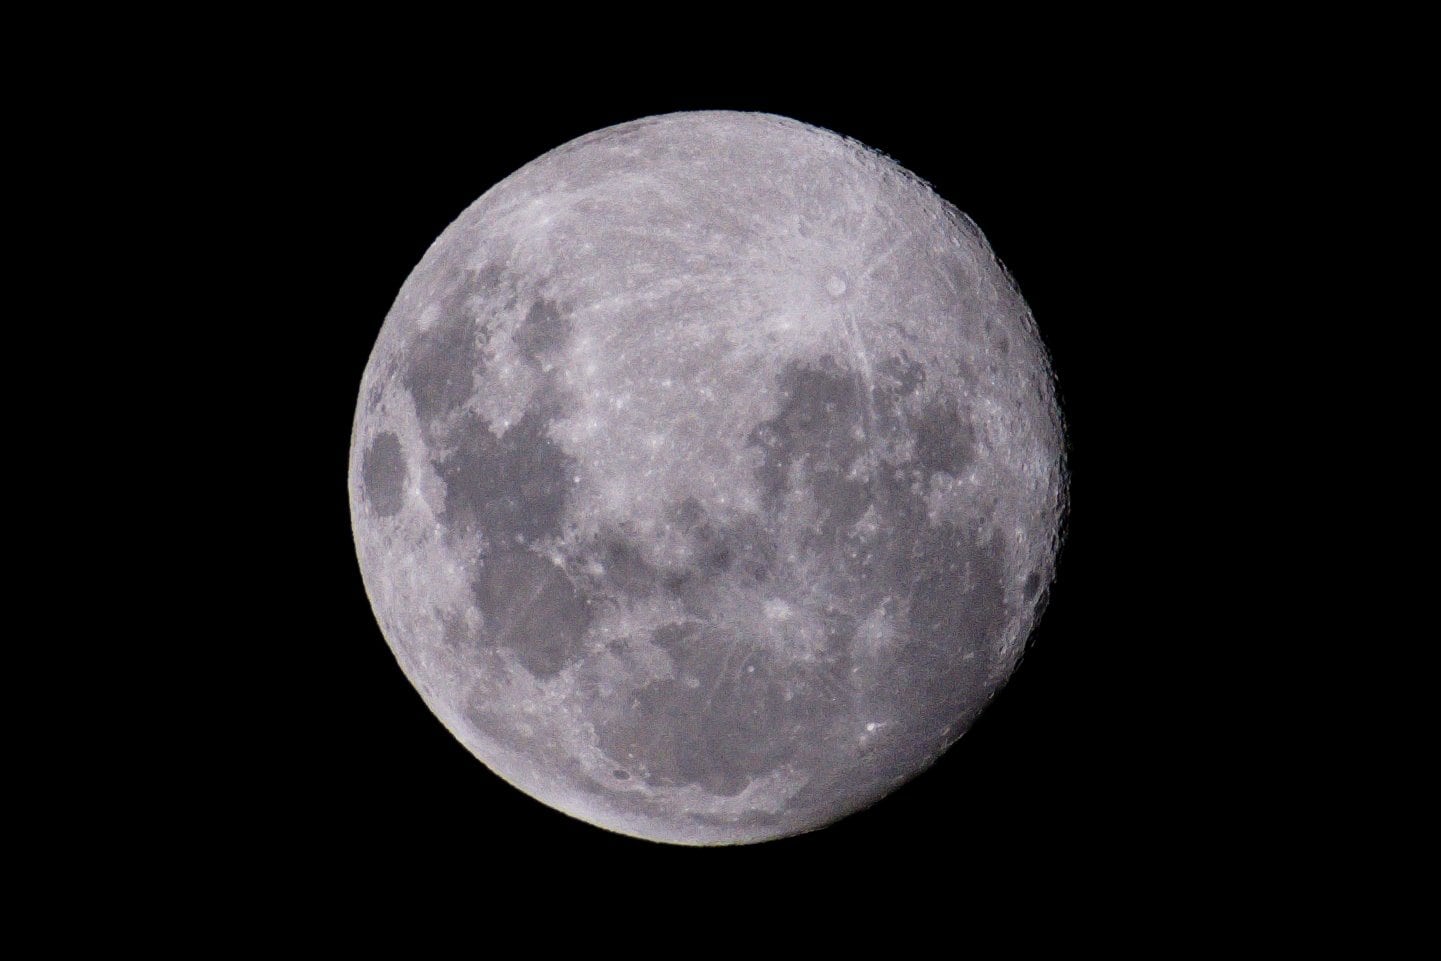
(620, 775)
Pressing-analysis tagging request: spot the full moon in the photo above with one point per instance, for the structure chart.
(707, 477)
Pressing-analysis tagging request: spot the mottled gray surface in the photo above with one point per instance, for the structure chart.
(706, 477)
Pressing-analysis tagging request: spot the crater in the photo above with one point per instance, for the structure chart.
(383, 472)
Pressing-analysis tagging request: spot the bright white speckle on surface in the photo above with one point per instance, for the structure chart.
(777, 609)
(835, 286)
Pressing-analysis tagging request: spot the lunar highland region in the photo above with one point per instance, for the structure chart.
(707, 477)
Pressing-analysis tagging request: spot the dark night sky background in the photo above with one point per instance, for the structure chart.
(332, 758)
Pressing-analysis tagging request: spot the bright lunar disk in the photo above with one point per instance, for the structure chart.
(707, 477)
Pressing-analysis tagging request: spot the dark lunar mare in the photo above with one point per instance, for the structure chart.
(531, 608)
(735, 711)
(734, 724)
(545, 329)
(511, 489)
(383, 472)
(445, 360)
(507, 488)
(720, 555)
(813, 440)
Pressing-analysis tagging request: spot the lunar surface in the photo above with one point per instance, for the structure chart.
(707, 477)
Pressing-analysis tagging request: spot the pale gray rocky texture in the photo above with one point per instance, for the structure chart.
(707, 477)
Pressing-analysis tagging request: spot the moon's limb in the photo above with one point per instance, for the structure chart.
(706, 477)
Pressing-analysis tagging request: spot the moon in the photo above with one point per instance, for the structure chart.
(707, 477)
